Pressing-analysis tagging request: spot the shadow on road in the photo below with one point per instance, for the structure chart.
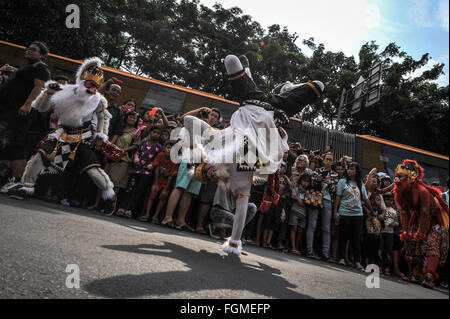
(208, 271)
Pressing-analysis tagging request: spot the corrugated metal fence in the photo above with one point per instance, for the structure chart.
(317, 138)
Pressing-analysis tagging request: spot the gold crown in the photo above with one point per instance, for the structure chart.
(93, 73)
(407, 170)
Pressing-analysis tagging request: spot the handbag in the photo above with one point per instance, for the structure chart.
(314, 198)
(267, 202)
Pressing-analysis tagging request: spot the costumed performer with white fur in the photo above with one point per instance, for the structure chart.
(83, 117)
(255, 139)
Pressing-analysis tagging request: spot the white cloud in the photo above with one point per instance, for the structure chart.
(442, 14)
(373, 16)
(341, 27)
(419, 14)
(430, 14)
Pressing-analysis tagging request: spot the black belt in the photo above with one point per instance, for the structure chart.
(77, 130)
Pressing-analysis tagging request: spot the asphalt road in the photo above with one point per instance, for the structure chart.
(120, 258)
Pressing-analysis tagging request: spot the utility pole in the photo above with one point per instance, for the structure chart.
(341, 104)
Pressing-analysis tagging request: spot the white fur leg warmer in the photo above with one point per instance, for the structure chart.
(102, 136)
(108, 194)
(232, 247)
(239, 218)
(103, 182)
(32, 170)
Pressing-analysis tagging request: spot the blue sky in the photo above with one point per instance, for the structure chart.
(417, 26)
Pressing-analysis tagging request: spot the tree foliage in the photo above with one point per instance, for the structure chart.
(184, 42)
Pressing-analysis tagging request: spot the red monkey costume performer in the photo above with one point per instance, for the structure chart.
(424, 218)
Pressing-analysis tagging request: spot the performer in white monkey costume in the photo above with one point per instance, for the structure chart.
(255, 131)
(83, 117)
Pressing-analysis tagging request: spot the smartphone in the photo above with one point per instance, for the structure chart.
(153, 111)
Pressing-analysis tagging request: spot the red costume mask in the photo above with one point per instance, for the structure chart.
(402, 182)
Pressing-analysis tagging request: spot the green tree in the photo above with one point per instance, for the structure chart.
(413, 111)
(24, 21)
(184, 42)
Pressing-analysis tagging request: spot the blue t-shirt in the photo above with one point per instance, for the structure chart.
(299, 195)
(350, 204)
(295, 205)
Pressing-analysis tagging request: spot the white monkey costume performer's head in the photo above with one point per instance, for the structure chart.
(254, 140)
(83, 116)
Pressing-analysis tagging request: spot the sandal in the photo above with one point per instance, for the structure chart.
(170, 224)
(155, 221)
(295, 252)
(413, 279)
(313, 256)
(185, 227)
(201, 231)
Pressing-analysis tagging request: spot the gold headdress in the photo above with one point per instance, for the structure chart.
(408, 169)
(91, 70)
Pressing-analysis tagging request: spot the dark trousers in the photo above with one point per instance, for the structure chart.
(387, 243)
(138, 185)
(371, 247)
(350, 228)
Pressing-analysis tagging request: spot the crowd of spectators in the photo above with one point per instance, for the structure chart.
(315, 205)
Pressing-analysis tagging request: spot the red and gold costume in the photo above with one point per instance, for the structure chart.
(425, 219)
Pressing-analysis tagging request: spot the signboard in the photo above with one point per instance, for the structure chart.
(366, 92)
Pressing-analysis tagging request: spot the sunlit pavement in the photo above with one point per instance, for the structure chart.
(120, 258)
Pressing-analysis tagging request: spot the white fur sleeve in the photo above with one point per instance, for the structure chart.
(102, 116)
(42, 102)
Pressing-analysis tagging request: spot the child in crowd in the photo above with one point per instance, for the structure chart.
(165, 136)
(373, 232)
(297, 216)
(284, 206)
(119, 171)
(387, 232)
(273, 218)
(271, 193)
(141, 174)
(165, 171)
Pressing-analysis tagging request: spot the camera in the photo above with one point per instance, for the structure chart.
(203, 114)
